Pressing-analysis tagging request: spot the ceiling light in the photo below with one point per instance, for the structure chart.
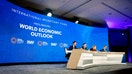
(49, 14)
(76, 19)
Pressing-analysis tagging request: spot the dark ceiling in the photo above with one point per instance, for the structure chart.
(102, 13)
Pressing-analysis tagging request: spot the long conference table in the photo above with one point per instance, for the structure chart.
(81, 59)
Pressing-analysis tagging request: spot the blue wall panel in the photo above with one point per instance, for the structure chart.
(26, 36)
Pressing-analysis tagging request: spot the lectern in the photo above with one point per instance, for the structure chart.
(81, 59)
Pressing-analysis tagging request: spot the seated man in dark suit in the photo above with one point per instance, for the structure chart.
(73, 46)
(104, 49)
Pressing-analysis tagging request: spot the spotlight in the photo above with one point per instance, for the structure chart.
(48, 12)
(76, 19)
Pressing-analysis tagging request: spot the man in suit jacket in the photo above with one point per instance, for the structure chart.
(73, 46)
(104, 49)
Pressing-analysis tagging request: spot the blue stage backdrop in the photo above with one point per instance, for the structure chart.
(26, 36)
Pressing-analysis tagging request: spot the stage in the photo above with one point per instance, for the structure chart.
(61, 69)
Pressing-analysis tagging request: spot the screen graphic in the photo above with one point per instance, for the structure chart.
(26, 36)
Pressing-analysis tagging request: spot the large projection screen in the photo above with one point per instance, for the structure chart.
(27, 36)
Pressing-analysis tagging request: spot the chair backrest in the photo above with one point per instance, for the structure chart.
(67, 51)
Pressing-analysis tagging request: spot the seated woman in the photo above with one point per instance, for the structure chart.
(93, 48)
